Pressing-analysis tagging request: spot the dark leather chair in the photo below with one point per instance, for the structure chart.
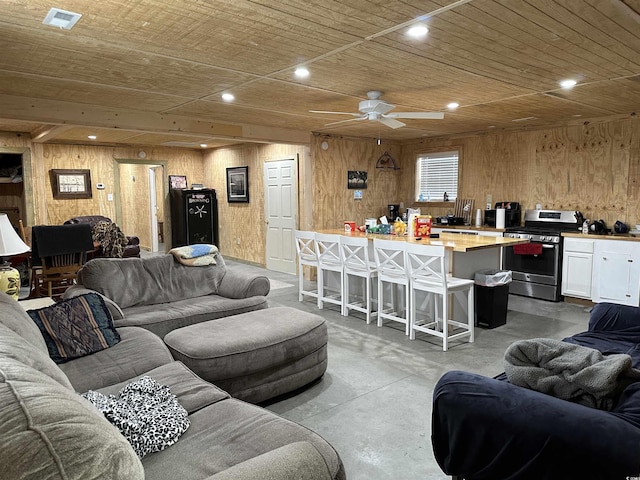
(131, 249)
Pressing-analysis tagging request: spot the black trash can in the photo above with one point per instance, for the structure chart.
(491, 295)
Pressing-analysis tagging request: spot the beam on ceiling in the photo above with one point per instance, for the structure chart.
(66, 113)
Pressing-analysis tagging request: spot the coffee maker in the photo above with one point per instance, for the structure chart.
(394, 212)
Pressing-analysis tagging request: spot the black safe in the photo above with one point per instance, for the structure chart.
(194, 217)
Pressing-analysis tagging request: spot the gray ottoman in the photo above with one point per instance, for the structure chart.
(257, 355)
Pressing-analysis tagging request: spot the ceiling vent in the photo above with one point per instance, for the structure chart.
(61, 18)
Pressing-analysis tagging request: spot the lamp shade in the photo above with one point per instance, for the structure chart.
(10, 241)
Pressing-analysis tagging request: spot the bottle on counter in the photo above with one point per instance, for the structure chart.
(585, 226)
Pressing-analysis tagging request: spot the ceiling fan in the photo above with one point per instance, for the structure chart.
(378, 110)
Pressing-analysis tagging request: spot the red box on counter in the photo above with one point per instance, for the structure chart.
(422, 226)
(349, 227)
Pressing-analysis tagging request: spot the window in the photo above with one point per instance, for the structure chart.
(437, 173)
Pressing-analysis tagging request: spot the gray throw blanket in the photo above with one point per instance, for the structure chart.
(570, 372)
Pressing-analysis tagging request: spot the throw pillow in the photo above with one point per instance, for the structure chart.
(76, 327)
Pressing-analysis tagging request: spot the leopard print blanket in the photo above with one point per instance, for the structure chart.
(145, 412)
(111, 239)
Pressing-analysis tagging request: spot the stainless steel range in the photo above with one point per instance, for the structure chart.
(537, 266)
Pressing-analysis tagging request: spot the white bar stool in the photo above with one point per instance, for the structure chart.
(329, 260)
(428, 273)
(357, 263)
(390, 262)
(306, 249)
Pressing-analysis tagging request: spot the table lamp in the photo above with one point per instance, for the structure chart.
(10, 244)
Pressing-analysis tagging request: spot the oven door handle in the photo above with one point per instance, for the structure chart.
(548, 246)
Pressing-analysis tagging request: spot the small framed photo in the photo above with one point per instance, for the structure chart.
(70, 184)
(356, 179)
(178, 182)
(238, 185)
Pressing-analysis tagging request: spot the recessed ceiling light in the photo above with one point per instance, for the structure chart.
(453, 105)
(419, 30)
(301, 72)
(203, 145)
(568, 84)
(228, 97)
(92, 137)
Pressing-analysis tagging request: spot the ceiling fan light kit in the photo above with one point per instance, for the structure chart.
(377, 110)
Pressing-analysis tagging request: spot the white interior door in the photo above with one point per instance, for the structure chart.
(153, 203)
(281, 204)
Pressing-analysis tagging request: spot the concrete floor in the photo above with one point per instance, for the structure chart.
(374, 402)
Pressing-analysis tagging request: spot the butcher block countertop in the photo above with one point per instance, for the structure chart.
(454, 242)
(624, 237)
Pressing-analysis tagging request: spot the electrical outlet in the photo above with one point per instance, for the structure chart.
(238, 241)
(109, 197)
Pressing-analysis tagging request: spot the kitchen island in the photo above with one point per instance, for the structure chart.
(467, 253)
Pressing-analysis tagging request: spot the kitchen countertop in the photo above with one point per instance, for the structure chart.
(625, 237)
(455, 242)
(467, 227)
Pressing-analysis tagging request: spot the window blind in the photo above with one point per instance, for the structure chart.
(437, 173)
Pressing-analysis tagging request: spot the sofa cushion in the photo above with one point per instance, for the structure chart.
(228, 433)
(151, 280)
(50, 432)
(13, 346)
(76, 327)
(192, 392)
(295, 461)
(182, 313)
(138, 352)
(14, 316)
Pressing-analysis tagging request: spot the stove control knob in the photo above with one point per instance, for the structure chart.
(544, 239)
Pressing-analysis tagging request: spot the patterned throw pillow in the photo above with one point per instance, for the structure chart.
(76, 327)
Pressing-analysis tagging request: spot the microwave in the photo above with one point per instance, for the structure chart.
(512, 215)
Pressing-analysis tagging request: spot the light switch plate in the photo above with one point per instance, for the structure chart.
(110, 197)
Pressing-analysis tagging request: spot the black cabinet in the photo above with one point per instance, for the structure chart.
(194, 217)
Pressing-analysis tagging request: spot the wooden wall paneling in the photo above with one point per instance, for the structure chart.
(334, 203)
(135, 202)
(245, 221)
(633, 184)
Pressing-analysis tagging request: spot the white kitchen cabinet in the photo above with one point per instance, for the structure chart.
(616, 272)
(577, 267)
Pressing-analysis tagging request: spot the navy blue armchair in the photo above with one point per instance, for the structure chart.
(487, 428)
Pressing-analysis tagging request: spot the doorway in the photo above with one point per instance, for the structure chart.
(141, 201)
(281, 207)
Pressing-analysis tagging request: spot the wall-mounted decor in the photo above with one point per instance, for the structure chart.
(356, 179)
(238, 185)
(387, 161)
(70, 184)
(178, 182)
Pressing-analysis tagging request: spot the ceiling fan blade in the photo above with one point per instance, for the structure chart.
(345, 121)
(336, 113)
(382, 107)
(423, 115)
(390, 122)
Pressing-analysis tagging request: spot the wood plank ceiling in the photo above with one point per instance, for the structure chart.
(151, 72)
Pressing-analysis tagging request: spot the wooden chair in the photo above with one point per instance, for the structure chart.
(58, 252)
(329, 260)
(357, 263)
(306, 249)
(392, 273)
(428, 273)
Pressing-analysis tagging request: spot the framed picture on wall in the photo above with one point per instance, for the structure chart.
(238, 185)
(177, 182)
(70, 184)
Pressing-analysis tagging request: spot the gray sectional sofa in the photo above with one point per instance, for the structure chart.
(160, 294)
(48, 431)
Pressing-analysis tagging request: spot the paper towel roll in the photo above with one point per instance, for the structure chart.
(478, 218)
(500, 214)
